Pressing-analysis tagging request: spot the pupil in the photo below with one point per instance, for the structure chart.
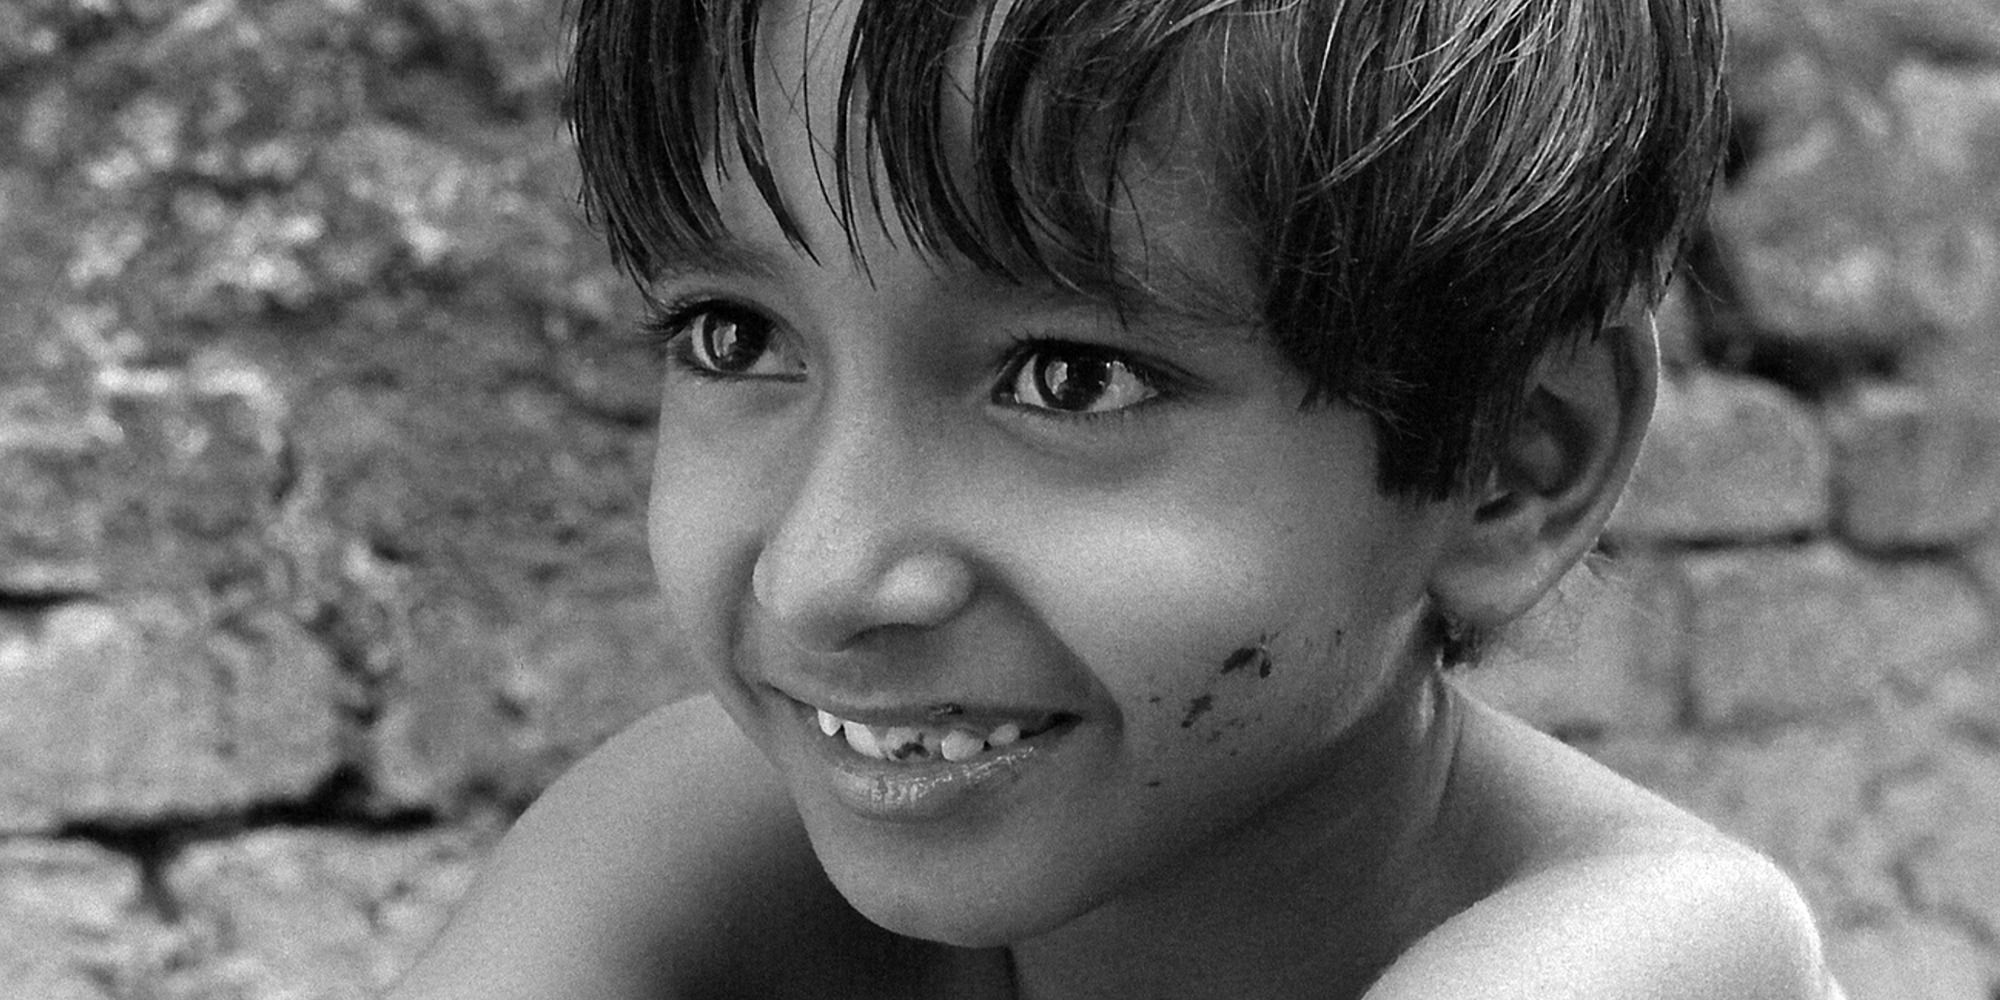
(1074, 384)
(728, 345)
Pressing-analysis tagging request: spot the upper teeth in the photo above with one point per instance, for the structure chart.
(954, 743)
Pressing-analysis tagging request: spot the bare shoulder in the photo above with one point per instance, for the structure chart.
(668, 863)
(1608, 892)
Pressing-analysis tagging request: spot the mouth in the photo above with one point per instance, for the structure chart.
(927, 764)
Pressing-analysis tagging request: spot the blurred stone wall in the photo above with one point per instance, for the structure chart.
(323, 454)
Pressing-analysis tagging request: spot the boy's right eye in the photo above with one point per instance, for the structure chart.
(721, 340)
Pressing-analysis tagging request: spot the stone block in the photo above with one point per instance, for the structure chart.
(1601, 654)
(1790, 634)
(73, 923)
(192, 475)
(454, 209)
(1855, 238)
(505, 707)
(145, 710)
(1911, 958)
(1816, 255)
(520, 39)
(1727, 458)
(313, 914)
(51, 516)
(1913, 468)
(1858, 39)
(1949, 120)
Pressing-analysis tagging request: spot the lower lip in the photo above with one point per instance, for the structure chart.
(929, 790)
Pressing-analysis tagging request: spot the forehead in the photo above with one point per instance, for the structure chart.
(814, 133)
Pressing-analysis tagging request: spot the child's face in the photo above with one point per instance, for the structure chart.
(917, 496)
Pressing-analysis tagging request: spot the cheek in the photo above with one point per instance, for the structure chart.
(701, 520)
(1199, 637)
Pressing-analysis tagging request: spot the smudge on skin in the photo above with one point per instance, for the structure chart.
(1153, 784)
(1196, 709)
(1258, 656)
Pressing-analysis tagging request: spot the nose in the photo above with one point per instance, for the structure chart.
(860, 547)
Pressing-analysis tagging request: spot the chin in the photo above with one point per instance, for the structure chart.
(950, 914)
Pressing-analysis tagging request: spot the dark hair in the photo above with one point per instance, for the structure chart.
(1435, 193)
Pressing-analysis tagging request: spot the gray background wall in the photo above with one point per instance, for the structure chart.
(322, 468)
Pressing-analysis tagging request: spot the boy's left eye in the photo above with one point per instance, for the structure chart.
(1073, 378)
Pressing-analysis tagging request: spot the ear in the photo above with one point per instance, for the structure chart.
(1554, 484)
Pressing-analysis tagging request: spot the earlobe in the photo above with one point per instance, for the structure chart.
(1555, 482)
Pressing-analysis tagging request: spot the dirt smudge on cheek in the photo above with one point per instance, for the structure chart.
(1257, 657)
(1222, 730)
(1196, 709)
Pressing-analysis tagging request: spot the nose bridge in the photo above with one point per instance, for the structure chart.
(855, 546)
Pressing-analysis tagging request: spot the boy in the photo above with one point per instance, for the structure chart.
(1088, 428)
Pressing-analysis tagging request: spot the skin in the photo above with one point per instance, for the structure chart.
(867, 502)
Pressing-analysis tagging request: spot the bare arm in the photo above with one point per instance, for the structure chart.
(637, 874)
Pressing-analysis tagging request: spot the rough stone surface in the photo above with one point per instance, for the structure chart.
(128, 713)
(1911, 959)
(506, 706)
(1913, 468)
(1796, 634)
(1602, 654)
(1849, 231)
(1943, 807)
(51, 516)
(193, 477)
(73, 923)
(323, 915)
(1727, 458)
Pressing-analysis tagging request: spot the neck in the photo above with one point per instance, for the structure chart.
(1314, 896)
